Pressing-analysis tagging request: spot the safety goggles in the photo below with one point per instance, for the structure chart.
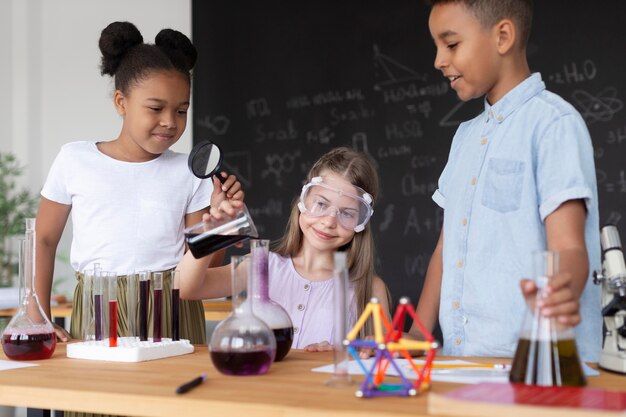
(352, 209)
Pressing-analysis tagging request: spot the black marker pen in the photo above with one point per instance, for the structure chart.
(188, 386)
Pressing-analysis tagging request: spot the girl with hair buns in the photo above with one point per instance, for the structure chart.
(131, 197)
(331, 214)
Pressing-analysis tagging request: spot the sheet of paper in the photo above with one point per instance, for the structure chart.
(458, 375)
(6, 365)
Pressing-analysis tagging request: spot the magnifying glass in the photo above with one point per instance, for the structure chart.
(205, 160)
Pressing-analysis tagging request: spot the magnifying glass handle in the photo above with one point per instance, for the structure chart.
(221, 177)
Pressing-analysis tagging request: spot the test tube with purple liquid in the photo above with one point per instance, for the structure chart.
(144, 295)
(176, 305)
(97, 303)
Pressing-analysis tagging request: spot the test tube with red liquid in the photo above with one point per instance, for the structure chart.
(112, 279)
(144, 295)
(157, 294)
(176, 305)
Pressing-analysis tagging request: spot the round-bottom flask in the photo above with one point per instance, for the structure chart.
(267, 310)
(546, 352)
(29, 335)
(242, 344)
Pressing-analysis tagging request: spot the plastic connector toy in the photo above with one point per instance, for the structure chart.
(388, 341)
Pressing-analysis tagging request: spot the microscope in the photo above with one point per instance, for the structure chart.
(613, 280)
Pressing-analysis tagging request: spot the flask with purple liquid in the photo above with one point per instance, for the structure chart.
(242, 344)
(263, 307)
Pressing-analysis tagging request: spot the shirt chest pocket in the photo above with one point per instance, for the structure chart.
(158, 223)
(503, 185)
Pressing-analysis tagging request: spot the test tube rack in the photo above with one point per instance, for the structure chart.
(129, 349)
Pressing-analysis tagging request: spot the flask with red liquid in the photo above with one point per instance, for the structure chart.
(263, 307)
(30, 334)
(242, 344)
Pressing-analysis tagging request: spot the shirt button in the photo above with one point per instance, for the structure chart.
(459, 264)
(464, 320)
(500, 118)
(296, 329)
(483, 141)
(464, 221)
(306, 287)
(455, 305)
(473, 181)
(300, 307)
(490, 113)
(457, 341)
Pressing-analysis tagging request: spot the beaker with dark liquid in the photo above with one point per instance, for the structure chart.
(205, 238)
(29, 335)
(263, 307)
(546, 352)
(242, 344)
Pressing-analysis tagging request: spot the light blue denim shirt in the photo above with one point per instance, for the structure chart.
(508, 169)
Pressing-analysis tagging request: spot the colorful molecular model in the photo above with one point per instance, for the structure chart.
(385, 347)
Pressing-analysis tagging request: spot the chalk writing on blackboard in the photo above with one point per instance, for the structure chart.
(575, 73)
(614, 218)
(279, 164)
(597, 108)
(392, 71)
(272, 208)
(451, 119)
(257, 107)
(416, 265)
(359, 143)
(285, 132)
(218, 125)
(617, 136)
(240, 165)
(387, 218)
(409, 129)
(618, 185)
(412, 186)
(323, 98)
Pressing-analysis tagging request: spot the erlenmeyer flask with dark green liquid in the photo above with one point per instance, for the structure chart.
(546, 352)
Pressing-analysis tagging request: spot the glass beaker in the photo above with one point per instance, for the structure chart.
(205, 238)
(263, 307)
(242, 344)
(29, 335)
(546, 352)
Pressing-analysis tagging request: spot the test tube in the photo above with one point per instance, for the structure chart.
(112, 280)
(176, 305)
(131, 303)
(341, 376)
(157, 294)
(144, 295)
(87, 313)
(97, 303)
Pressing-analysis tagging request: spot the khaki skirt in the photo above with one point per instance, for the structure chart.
(192, 325)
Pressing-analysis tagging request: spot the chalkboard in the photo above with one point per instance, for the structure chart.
(280, 83)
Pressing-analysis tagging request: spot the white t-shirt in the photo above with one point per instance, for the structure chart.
(127, 216)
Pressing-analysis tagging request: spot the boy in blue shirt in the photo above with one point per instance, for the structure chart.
(520, 177)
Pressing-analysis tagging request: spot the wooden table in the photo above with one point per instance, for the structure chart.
(214, 310)
(147, 389)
